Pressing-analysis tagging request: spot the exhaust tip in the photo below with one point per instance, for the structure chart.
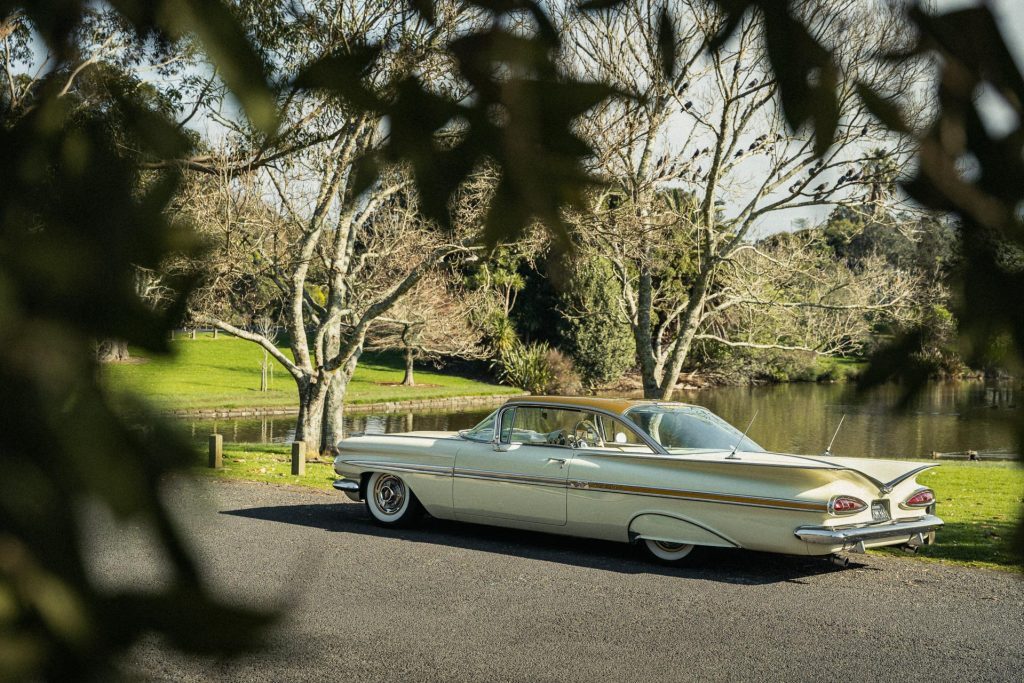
(839, 560)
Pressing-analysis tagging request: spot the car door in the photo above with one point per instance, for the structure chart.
(523, 475)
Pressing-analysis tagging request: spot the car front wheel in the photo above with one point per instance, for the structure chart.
(389, 500)
(670, 553)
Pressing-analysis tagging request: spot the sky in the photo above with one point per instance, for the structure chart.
(998, 116)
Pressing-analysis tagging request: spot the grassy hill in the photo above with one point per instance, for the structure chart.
(225, 373)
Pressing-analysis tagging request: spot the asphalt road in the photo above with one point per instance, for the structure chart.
(450, 601)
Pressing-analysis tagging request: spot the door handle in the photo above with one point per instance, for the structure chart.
(560, 461)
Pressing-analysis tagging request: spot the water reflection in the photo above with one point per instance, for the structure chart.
(948, 417)
(281, 428)
(795, 418)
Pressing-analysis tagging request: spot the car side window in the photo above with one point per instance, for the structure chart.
(505, 429)
(614, 432)
(484, 431)
(543, 426)
(616, 436)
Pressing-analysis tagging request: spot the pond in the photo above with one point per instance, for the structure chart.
(948, 417)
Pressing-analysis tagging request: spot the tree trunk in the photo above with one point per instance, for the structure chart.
(409, 380)
(642, 335)
(333, 427)
(112, 351)
(687, 329)
(308, 426)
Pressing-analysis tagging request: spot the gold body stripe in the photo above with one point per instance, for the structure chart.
(600, 487)
(702, 496)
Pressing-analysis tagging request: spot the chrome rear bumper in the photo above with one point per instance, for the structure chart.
(888, 533)
(348, 487)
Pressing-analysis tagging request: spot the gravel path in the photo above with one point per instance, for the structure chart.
(451, 601)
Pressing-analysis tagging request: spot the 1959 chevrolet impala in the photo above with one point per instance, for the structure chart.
(671, 476)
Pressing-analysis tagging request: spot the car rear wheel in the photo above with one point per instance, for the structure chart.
(669, 553)
(389, 500)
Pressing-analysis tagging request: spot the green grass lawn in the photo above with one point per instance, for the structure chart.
(840, 369)
(980, 502)
(225, 373)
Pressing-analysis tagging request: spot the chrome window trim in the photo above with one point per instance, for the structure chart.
(656, 448)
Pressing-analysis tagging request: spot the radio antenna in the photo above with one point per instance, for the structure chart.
(733, 456)
(828, 451)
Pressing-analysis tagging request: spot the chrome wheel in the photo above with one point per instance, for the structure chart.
(668, 552)
(389, 500)
(389, 494)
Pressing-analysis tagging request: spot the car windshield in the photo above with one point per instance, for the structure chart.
(677, 426)
(483, 431)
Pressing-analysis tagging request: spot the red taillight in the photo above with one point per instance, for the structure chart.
(919, 499)
(846, 505)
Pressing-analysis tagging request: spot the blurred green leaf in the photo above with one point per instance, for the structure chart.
(667, 44)
(882, 109)
(591, 5)
(425, 9)
(806, 74)
(343, 74)
(242, 68)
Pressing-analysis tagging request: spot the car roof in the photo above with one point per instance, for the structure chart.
(613, 405)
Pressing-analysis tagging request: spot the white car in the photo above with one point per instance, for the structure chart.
(672, 476)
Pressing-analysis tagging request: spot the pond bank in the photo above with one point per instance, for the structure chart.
(447, 402)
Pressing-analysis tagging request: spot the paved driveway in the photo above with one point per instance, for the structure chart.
(450, 601)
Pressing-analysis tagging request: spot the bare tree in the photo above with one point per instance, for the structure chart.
(267, 328)
(434, 321)
(704, 156)
(296, 231)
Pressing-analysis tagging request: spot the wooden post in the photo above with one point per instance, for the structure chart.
(298, 458)
(216, 451)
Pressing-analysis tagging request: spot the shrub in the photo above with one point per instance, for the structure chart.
(596, 333)
(565, 381)
(526, 366)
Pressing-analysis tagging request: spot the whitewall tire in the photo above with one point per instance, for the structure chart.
(390, 501)
(669, 553)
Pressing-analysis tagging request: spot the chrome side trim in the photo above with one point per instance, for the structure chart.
(732, 543)
(889, 486)
(510, 478)
(850, 536)
(702, 496)
(387, 466)
(405, 435)
(600, 487)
